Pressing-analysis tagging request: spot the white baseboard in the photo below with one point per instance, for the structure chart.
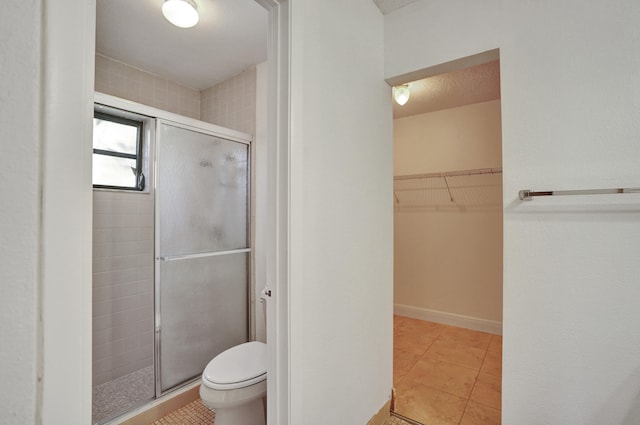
(452, 319)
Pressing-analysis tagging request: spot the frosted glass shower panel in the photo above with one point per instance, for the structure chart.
(203, 192)
(203, 305)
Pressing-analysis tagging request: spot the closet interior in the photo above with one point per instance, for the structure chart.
(447, 199)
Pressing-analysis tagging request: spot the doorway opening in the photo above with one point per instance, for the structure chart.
(183, 77)
(448, 244)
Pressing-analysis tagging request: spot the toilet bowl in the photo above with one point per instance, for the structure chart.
(234, 385)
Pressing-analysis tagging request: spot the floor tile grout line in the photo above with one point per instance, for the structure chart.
(406, 419)
(486, 405)
(474, 386)
(454, 363)
(404, 375)
(424, 353)
(440, 389)
(477, 371)
(444, 391)
(464, 412)
(484, 357)
(461, 339)
(451, 362)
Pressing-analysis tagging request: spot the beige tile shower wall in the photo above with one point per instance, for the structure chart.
(122, 283)
(122, 80)
(232, 103)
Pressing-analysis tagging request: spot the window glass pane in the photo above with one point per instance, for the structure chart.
(113, 136)
(114, 171)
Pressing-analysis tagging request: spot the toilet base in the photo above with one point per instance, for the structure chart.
(252, 413)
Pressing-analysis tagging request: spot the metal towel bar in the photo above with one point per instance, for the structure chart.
(527, 195)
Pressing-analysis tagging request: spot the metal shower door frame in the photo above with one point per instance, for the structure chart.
(158, 259)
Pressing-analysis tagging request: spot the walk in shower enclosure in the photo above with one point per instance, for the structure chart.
(171, 262)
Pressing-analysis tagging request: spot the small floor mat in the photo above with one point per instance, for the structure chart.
(194, 413)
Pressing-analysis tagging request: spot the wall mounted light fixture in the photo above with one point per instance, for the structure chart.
(401, 94)
(181, 13)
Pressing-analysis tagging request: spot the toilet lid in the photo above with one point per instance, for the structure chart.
(237, 367)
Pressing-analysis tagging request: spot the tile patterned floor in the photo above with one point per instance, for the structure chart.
(445, 375)
(396, 421)
(196, 413)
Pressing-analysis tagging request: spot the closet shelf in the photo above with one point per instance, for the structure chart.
(476, 188)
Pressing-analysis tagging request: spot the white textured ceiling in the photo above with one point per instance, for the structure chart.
(479, 83)
(388, 6)
(230, 37)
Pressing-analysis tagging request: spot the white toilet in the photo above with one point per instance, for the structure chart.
(234, 384)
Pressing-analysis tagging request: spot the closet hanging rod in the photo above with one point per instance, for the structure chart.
(528, 195)
(450, 174)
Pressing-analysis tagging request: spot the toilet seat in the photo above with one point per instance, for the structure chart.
(237, 367)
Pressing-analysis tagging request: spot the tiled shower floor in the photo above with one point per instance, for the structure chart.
(119, 395)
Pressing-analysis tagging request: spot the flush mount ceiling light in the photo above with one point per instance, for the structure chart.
(401, 94)
(181, 13)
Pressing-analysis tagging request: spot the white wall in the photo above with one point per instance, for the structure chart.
(569, 99)
(259, 192)
(454, 139)
(448, 257)
(46, 212)
(68, 75)
(20, 231)
(341, 217)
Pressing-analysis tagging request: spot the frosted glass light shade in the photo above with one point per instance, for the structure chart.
(401, 94)
(181, 13)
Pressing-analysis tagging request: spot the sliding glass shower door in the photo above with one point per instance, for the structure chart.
(202, 250)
